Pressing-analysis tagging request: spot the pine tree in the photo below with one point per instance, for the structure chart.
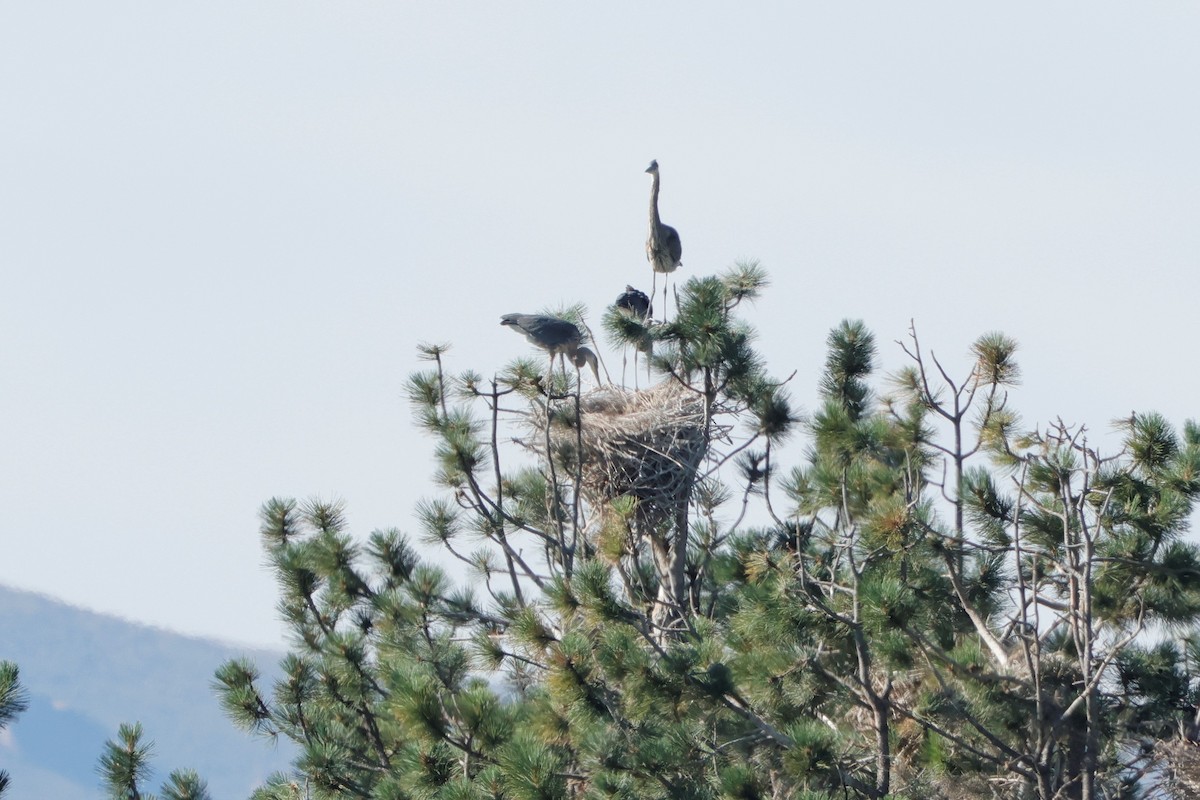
(937, 603)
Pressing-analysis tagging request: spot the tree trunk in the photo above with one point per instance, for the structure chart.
(883, 747)
(670, 562)
(1077, 746)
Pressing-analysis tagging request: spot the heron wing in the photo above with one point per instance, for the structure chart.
(674, 247)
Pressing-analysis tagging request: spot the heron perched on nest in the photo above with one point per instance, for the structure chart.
(663, 248)
(635, 302)
(558, 337)
(637, 305)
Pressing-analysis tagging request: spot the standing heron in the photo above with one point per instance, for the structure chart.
(663, 248)
(636, 304)
(558, 337)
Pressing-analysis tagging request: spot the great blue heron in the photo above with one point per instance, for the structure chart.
(636, 304)
(558, 337)
(663, 248)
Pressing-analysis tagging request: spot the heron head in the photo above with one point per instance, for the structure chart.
(583, 356)
(653, 168)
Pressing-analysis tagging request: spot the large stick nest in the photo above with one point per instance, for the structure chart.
(647, 445)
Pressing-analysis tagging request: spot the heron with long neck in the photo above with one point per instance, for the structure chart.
(558, 337)
(663, 248)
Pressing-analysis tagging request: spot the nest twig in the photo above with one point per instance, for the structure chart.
(647, 445)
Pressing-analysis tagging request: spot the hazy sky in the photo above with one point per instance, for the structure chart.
(225, 226)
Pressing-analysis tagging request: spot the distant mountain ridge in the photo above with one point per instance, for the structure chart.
(86, 673)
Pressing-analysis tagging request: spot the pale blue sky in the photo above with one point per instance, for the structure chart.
(224, 227)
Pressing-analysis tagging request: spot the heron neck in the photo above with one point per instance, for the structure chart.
(654, 199)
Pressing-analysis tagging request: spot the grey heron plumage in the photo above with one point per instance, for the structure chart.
(558, 337)
(636, 302)
(664, 251)
(637, 305)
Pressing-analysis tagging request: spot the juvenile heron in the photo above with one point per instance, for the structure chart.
(663, 248)
(636, 304)
(558, 337)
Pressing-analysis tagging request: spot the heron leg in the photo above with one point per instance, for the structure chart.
(653, 282)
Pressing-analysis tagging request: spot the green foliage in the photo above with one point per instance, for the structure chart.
(851, 359)
(185, 785)
(14, 700)
(937, 601)
(125, 768)
(995, 360)
(125, 763)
